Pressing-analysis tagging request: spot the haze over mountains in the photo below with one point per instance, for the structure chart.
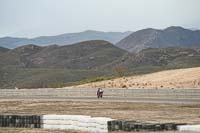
(64, 39)
(173, 36)
(154, 38)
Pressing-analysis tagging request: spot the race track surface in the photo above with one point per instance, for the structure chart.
(184, 96)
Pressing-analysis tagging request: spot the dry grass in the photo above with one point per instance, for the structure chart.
(24, 130)
(180, 78)
(129, 111)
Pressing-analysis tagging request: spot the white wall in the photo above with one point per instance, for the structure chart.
(189, 128)
(76, 122)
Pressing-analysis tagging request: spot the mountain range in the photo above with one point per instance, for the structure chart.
(64, 39)
(134, 42)
(84, 55)
(173, 36)
(145, 51)
(33, 66)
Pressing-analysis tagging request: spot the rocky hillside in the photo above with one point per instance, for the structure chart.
(64, 39)
(33, 66)
(155, 59)
(84, 55)
(153, 38)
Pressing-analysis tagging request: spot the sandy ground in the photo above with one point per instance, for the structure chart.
(144, 112)
(18, 130)
(180, 78)
(118, 110)
(24, 130)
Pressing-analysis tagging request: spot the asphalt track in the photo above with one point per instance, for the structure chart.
(105, 99)
(167, 96)
(187, 96)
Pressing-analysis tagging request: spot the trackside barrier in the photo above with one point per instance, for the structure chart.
(63, 122)
(76, 122)
(26, 121)
(132, 126)
(189, 128)
(89, 124)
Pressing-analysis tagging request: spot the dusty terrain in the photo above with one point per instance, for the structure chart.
(150, 112)
(24, 130)
(180, 78)
(145, 112)
(18, 130)
(117, 110)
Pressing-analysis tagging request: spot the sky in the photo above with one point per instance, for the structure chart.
(32, 18)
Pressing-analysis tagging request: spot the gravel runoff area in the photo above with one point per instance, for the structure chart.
(23, 130)
(144, 112)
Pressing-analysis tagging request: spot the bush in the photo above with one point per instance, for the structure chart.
(119, 71)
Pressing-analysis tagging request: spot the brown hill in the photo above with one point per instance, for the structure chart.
(180, 78)
(84, 55)
(33, 66)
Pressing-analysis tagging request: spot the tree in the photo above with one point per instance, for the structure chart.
(119, 70)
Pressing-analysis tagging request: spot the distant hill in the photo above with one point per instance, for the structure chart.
(3, 50)
(33, 66)
(84, 55)
(153, 38)
(64, 39)
(155, 59)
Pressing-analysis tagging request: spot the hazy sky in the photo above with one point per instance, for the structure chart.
(30, 18)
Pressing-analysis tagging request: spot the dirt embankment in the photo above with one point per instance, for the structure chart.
(179, 78)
